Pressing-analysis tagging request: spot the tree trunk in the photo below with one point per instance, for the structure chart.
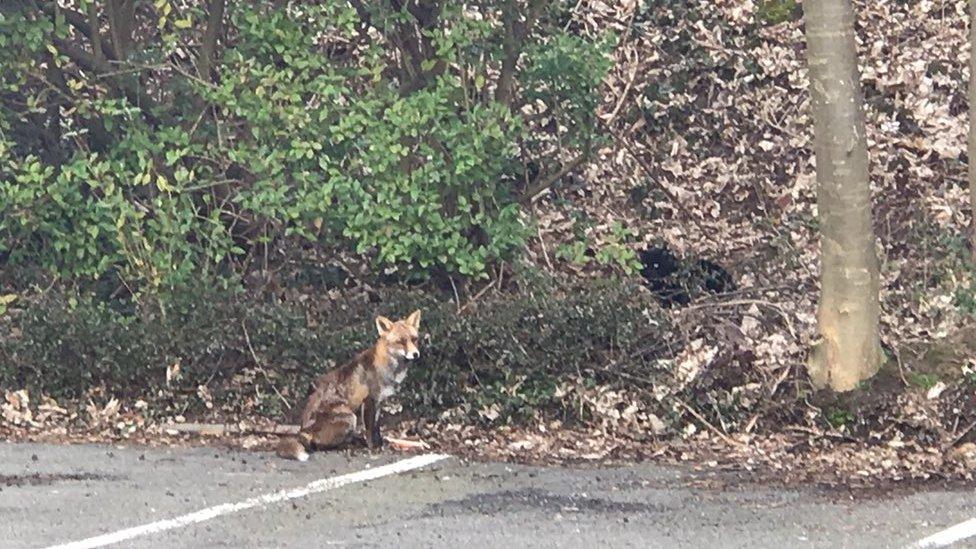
(513, 41)
(96, 37)
(51, 136)
(215, 17)
(849, 350)
(972, 128)
(121, 20)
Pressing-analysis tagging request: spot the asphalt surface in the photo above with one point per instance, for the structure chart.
(53, 495)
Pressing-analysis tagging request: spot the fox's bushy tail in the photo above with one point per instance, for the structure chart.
(292, 448)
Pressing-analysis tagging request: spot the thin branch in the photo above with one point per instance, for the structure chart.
(572, 15)
(955, 440)
(476, 296)
(217, 429)
(457, 298)
(706, 423)
(413, 41)
(650, 172)
(545, 252)
(88, 62)
(737, 302)
(257, 363)
(609, 368)
(623, 97)
(543, 183)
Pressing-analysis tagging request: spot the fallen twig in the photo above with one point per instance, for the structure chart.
(736, 302)
(779, 380)
(545, 253)
(457, 298)
(406, 444)
(650, 173)
(708, 424)
(477, 296)
(955, 440)
(817, 433)
(623, 96)
(216, 429)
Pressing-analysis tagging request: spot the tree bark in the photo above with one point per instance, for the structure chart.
(51, 136)
(121, 20)
(849, 350)
(513, 40)
(94, 37)
(510, 45)
(972, 129)
(208, 47)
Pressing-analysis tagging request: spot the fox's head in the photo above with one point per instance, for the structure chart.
(400, 336)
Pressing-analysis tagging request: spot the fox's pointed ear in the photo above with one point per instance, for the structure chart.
(414, 319)
(383, 324)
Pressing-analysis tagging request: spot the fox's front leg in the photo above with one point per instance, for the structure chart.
(371, 419)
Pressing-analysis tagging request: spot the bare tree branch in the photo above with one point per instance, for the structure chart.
(87, 61)
(87, 26)
(544, 182)
(414, 43)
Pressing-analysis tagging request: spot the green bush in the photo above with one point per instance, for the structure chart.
(774, 12)
(375, 132)
(510, 352)
(513, 352)
(71, 344)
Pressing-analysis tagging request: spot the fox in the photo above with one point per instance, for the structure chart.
(329, 417)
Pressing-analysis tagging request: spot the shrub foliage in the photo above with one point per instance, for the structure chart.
(509, 353)
(152, 143)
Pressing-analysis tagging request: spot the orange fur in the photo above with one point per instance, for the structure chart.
(329, 417)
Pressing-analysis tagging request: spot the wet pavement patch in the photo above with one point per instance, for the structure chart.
(511, 501)
(44, 479)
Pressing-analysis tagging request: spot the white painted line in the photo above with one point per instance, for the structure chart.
(949, 536)
(202, 515)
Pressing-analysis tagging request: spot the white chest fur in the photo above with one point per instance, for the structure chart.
(399, 376)
(396, 374)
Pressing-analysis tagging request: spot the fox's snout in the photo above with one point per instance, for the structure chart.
(409, 351)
